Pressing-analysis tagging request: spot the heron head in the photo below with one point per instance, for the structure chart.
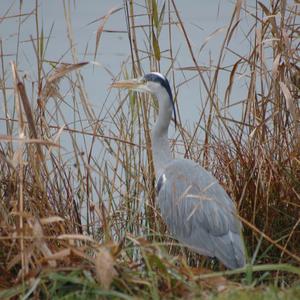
(153, 83)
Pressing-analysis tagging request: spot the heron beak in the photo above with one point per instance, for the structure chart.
(132, 84)
(137, 85)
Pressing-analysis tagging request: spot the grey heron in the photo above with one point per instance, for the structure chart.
(196, 209)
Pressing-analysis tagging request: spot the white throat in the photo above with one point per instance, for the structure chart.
(160, 144)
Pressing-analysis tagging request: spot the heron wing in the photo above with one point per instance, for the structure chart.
(199, 213)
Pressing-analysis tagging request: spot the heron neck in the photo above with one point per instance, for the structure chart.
(160, 144)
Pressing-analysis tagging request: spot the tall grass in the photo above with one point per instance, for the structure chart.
(74, 216)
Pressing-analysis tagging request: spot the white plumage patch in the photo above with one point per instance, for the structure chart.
(159, 75)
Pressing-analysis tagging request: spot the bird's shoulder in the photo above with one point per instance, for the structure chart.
(186, 171)
(186, 186)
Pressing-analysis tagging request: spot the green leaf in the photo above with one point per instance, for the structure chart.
(155, 14)
(41, 46)
(155, 45)
(161, 19)
(154, 260)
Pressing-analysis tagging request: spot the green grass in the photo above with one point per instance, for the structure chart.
(80, 284)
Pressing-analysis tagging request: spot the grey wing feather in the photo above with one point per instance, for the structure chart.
(199, 213)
